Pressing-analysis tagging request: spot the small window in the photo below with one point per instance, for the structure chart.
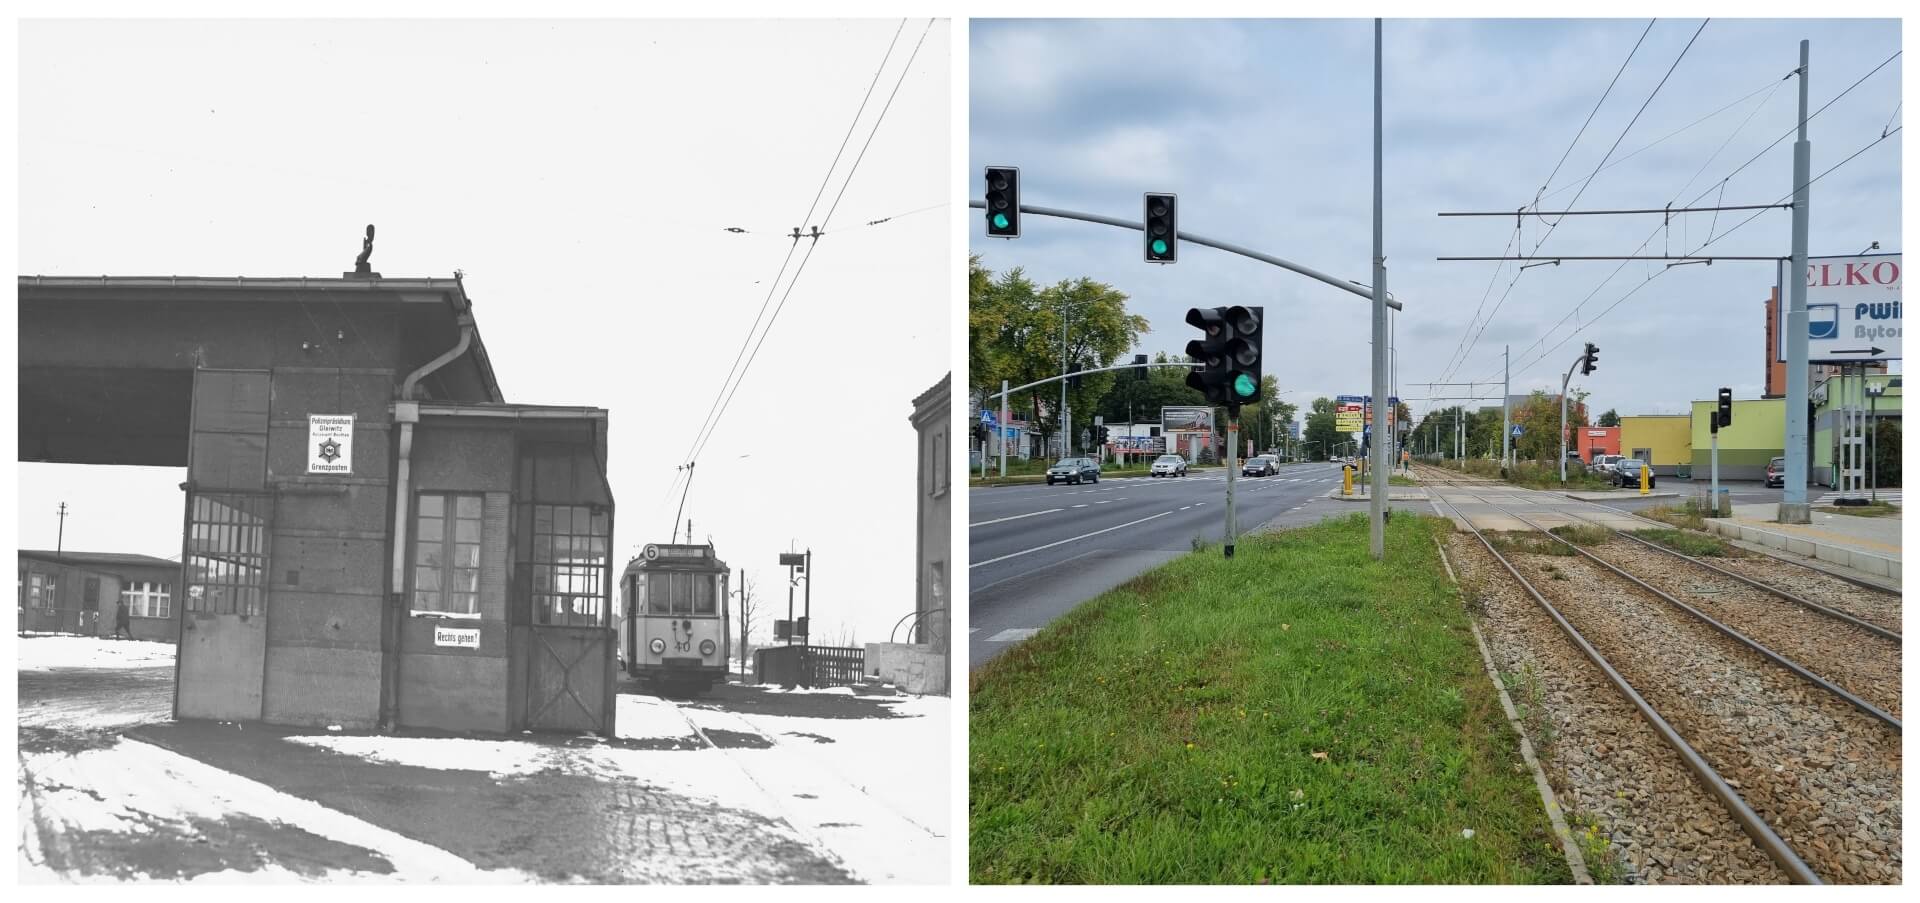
(446, 561)
(148, 600)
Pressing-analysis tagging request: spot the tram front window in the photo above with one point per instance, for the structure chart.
(703, 595)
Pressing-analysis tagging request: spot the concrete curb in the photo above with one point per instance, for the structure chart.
(1404, 495)
(1874, 563)
(1576, 862)
(1611, 496)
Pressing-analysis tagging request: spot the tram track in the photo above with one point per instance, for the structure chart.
(1811, 778)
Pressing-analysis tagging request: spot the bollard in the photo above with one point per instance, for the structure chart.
(1346, 479)
(1644, 471)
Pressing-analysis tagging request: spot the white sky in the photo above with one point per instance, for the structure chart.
(581, 174)
(1264, 128)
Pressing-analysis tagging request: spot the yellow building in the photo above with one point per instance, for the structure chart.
(1757, 435)
(1663, 440)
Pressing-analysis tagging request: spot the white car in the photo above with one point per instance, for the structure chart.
(1168, 466)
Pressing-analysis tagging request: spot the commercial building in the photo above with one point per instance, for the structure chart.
(372, 535)
(1594, 441)
(1756, 436)
(1826, 423)
(1662, 440)
(81, 592)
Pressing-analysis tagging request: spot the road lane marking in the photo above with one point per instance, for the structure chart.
(1018, 516)
(1079, 506)
(1013, 634)
(1065, 541)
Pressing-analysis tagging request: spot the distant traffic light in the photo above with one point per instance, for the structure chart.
(1162, 233)
(1724, 415)
(1100, 435)
(1073, 377)
(1590, 361)
(1003, 201)
(1140, 366)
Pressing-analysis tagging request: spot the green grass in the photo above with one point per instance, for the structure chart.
(1401, 480)
(1528, 542)
(1583, 534)
(1532, 474)
(1299, 713)
(1876, 509)
(1689, 514)
(1688, 542)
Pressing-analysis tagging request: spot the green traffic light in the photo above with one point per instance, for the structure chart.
(1159, 246)
(1243, 386)
(999, 221)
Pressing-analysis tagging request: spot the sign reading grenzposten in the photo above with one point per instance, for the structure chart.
(330, 443)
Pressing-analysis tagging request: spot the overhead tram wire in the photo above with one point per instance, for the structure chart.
(894, 41)
(1771, 86)
(1630, 292)
(1719, 185)
(1584, 185)
(1716, 186)
(824, 223)
(1460, 347)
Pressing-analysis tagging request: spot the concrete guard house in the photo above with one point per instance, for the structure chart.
(371, 536)
(919, 665)
(79, 592)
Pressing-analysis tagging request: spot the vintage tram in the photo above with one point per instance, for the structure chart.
(675, 627)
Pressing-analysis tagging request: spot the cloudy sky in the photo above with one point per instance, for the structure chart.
(1264, 128)
(582, 174)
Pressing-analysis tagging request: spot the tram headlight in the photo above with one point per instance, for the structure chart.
(706, 647)
(659, 646)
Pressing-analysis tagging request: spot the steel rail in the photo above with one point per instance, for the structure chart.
(1835, 613)
(1770, 655)
(1755, 827)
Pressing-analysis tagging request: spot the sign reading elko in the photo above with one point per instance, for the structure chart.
(1853, 309)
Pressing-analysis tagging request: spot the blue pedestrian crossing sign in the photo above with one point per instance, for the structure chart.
(1517, 430)
(987, 419)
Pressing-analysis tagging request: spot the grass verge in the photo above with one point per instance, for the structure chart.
(1687, 542)
(1583, 534)
(1689, 514)
(1297, 714)
(1876, 509)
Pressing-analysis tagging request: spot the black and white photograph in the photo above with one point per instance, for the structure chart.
(485, 451)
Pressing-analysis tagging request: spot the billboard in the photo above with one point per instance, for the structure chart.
(1853, 309)
(1186, 420)
(1349, 413)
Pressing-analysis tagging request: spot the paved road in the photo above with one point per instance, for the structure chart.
(1037, 551)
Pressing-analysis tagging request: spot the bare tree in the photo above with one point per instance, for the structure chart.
(746, 620)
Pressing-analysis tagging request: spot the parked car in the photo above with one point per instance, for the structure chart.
(1259, 466)
(1626, 473)
(1074, 470)
(1603, 464)
(1777, 473)
(1168, 466)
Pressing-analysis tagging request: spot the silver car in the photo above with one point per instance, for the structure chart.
(1168, 466)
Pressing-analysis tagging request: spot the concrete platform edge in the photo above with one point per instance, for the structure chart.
(1884, 567)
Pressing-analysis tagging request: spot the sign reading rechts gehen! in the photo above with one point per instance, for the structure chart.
(457, 637)
(330, 443)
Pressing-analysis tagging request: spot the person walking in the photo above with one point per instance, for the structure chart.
(122, 621)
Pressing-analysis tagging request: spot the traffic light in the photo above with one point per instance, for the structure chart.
(1100, 435)
(1590, 361)
(980, 433)
(1003, 202)
(1229, 354)
(1162, 233)
(1140, 367)
(1073, 377)
(1724, 416)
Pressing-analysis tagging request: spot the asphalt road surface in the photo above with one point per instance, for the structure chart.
(1035, 552)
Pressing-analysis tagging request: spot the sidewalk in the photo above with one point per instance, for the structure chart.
(1867, 544)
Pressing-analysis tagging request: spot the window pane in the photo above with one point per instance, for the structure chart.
(543, 548)
(600, 523)
(465, 580)
(426, 578)
(432, 529)
(464, 603)
(432, 555)
(433, 505)
(543, 518)
(659, 593)
(562, 519)
(466, 555)
(703, 595)
(466, 531)
(467, 506)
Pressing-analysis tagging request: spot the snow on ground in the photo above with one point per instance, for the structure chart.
(903, 761)
(134, 787)
(648, 718)
(50, 652)
(500, 758)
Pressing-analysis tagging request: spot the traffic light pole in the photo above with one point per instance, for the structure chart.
(1185, 236)
(1793, 498)
(1563, 414)
(1233, 450)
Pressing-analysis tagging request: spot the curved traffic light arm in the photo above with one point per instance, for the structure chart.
(1183, 235)
(1055, 379)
